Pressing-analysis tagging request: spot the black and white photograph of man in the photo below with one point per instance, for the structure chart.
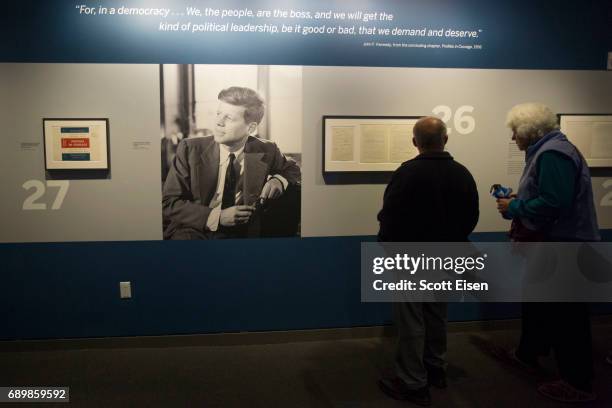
(227, 180)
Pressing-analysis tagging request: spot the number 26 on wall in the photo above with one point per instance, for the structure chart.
(39, 190)
(462, 122)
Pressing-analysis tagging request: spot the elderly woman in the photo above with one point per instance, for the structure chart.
(554, 202)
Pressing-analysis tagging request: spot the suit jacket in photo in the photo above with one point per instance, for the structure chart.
(192, 179)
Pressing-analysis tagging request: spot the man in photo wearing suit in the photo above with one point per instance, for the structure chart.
(215, 183)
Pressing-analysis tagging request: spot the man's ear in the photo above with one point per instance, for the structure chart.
(252, 129)
(445, 139)
(414, 142)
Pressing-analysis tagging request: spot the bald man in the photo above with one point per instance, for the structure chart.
(431, 198)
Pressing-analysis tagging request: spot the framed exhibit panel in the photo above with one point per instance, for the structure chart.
(592, 135)
(76, 145)
(367, 144)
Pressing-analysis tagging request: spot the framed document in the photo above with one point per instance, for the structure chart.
(592, 135)
(76, 144)
(367, 144)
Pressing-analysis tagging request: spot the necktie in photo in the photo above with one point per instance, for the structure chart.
(229, 187)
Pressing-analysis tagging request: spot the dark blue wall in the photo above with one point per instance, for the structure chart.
(526, 34)
(68, 290)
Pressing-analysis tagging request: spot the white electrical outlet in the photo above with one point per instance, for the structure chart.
(125, 290)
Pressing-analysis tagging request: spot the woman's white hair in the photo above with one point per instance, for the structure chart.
(531, 120)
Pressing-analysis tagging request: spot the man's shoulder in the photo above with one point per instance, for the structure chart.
(198, 143)
(416, 165)
(459, 170)
(458, 166)
(407, 166)
(256, 144)
(412, 165)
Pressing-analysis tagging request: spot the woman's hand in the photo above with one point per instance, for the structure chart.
(503, 203)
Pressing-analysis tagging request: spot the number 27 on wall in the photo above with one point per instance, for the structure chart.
(606, 200)
(39, 190)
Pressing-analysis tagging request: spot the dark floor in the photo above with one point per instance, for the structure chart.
(332, 373)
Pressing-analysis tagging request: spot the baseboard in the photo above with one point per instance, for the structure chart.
(254, 338)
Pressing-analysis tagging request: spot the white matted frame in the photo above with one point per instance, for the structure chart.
(76, 144)
(592, 135)
(367, 144)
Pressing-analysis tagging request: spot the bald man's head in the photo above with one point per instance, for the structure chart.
(429, 134)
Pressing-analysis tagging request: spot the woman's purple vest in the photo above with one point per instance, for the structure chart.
(579, 222)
